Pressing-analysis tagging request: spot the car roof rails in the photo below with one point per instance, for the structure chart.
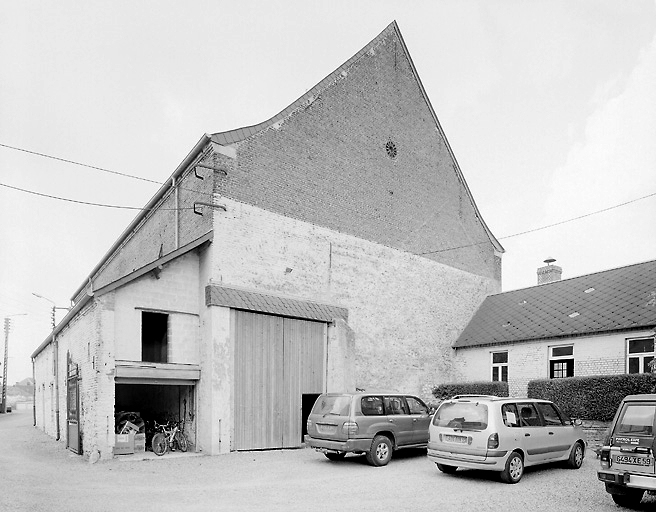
(456, 397)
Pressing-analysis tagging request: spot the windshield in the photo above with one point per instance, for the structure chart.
(461, 416)
(637, 419)
(332, 404)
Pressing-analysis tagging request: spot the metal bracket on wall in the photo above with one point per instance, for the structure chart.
(210, 167)
(209, 205)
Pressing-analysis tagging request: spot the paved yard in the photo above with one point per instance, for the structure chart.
(38, 474)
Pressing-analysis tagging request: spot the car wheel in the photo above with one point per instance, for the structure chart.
(628, 500)
(335, 455)
(380, 452)
(514, 469)
(576, 457)
(445, 468)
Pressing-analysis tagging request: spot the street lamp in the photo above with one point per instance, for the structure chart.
(54, 308)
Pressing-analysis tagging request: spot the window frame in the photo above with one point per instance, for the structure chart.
(558, 360)
(643, 365)
(499, 367)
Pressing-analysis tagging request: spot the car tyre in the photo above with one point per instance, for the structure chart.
(445, 468)
(628, 500)
(335, 456)
(514, 469)
(575, 460)
(380, 452)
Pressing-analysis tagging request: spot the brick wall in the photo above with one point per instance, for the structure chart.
(327, 164)
(593, 355)
(404, 310)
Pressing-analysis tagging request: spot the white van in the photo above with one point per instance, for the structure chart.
(502, 434)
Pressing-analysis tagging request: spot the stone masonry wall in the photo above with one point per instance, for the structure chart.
(404, 310)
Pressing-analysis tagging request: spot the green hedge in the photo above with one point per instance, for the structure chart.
(444, 391)
(592, 398)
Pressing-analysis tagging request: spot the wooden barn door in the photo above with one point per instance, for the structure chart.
(277, 360)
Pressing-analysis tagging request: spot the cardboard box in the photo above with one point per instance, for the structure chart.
(124, 444)
(139, 443)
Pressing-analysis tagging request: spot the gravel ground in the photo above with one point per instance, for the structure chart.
(39, 474)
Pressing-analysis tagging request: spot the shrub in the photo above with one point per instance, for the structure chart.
(592, 398)
(444, 391)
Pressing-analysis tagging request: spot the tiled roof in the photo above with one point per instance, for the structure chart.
(263, 303)
(619, 299)
(239, 134)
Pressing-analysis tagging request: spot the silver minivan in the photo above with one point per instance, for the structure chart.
(374, 424)
(502, 434)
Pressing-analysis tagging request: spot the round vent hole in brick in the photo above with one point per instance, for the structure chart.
(390, 147)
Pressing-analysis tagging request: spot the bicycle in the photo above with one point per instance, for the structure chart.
(169, 436)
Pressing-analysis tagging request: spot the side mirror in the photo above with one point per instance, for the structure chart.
(577, 422)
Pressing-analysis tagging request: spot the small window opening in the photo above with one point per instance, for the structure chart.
(154, 337)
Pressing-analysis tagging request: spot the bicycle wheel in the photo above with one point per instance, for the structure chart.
(181, 441)
(159, 444)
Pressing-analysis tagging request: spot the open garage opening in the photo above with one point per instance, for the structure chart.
(148, 405)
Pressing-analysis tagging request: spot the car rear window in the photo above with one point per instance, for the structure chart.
(461, 415)
(637, 419)
(332, 404)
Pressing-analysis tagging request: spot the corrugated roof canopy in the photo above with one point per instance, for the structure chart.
(618, 299)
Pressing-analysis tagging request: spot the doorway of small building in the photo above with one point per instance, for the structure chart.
(146, 405)
(307, 403)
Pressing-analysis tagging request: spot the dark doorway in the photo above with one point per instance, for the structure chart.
(154, 337)
(306, 407)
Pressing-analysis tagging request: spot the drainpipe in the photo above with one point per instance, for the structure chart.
(33, 395)
(56, 385)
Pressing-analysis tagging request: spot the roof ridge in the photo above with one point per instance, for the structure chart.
(573, 278)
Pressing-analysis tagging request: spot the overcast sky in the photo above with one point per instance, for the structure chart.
(549, 107)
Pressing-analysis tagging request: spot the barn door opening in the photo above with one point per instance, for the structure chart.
(277, 361)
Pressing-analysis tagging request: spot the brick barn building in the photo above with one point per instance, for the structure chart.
(335, 246)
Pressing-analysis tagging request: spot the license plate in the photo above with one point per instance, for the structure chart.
(326, 429)
(633, 460)
(455, 439)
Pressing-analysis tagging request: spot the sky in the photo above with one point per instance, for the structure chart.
(549, 107)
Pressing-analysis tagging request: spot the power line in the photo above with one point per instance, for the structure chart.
(90, 203)
(80, 164)
(542, 227)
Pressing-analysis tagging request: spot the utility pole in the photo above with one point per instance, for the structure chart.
(3, 404)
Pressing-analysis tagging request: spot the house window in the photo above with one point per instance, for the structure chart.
(154, 337)
(640, 352)
(561, 362)
(500, 366)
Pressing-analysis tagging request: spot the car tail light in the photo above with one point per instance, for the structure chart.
(350, 428)
(605, 459)
(493, 441)
(308, 424)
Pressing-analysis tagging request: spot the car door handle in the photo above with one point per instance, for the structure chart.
(527, 435)
(390, 420)
(414, 420)
(550, 433)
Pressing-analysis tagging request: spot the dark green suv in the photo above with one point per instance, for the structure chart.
(374, 424)
(628, 455)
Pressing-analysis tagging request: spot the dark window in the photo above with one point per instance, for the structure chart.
(500, 366)
(510, 416)
(549, 414)
(372, 406)
(562, 351)
(528, 415)
(416, 406)
(154, 337)
(561, 368)
(641, 353)
(395, 405)
(337, 405)
(640, 346)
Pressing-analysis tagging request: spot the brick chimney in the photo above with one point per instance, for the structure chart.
(549, 273)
